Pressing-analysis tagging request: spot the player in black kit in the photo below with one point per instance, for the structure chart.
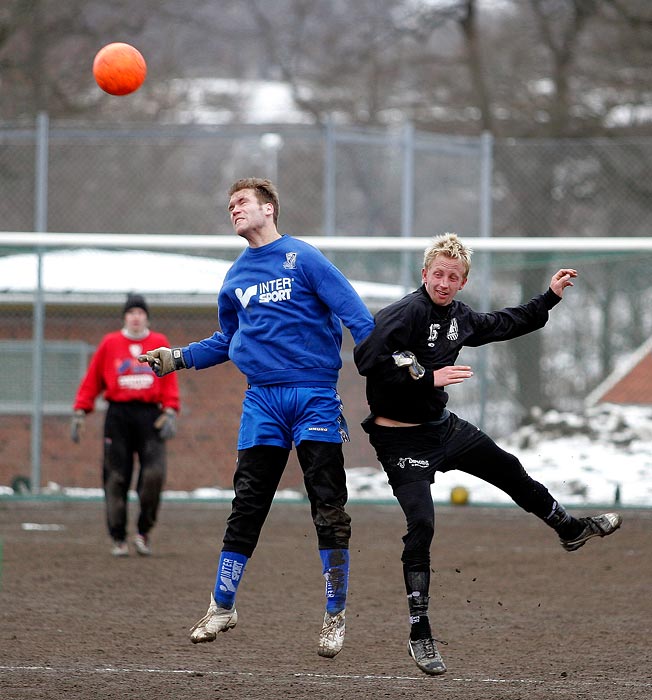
(407, 360)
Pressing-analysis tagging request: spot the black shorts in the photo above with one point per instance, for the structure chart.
(416, 453)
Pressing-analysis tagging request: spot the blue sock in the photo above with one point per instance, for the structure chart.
(229, 573)
(335, 567)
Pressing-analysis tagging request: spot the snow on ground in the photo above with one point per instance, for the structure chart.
(598, 457)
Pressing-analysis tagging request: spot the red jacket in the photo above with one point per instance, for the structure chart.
(115, 371)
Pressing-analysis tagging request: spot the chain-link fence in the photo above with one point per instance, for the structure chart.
(335, 183)
(332, 181)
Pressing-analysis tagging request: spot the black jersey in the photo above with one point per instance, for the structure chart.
(436, 335)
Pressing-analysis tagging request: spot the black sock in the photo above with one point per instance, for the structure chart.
(420, 628)
(564, 524)
(417, 584)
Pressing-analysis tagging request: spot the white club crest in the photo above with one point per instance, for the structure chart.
(290, 261)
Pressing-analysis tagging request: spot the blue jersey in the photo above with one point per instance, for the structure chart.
(280, 311)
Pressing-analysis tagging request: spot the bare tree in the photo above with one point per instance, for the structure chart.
(47, 49)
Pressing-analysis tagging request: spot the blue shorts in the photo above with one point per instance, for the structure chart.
(279, 415)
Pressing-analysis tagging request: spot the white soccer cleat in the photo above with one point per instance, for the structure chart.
(595, 526)
(141, 543)
(120, 548)
(331, 637)
(426, 656)
(215, 620)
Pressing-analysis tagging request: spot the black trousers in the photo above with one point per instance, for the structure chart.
(257, 477)
(129, 431)
(412, 456)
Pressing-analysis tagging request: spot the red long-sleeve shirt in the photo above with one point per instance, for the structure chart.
(114, 370)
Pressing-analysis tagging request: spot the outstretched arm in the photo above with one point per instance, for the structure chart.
(562, 279)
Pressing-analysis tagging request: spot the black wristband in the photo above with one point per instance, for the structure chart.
(177, 358)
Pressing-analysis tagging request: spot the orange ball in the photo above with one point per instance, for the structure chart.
(119, 69)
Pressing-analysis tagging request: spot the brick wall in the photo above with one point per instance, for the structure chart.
(203, 452)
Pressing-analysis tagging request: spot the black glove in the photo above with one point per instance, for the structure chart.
(77, 425)
(163, 360)
(166, 424)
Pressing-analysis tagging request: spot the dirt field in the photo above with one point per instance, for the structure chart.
(522, 618)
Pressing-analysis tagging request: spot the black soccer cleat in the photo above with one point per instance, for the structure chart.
(426, 656)
(596, 526)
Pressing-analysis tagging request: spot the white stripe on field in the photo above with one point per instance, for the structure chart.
(624, 682)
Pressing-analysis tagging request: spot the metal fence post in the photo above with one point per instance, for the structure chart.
(407, 201)
(329, 178)
(40, 226)
(485, 223)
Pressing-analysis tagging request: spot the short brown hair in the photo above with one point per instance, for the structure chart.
(451, 246)
(266, 192)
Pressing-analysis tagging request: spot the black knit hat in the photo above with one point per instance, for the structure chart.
(135, 301)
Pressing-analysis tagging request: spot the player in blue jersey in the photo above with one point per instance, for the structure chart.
(280, 309)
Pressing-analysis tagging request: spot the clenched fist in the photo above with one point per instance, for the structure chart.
(163, 360)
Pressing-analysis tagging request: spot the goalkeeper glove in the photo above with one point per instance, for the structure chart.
(77, 425)
(164, 360)
(166, 424)
(408, 359)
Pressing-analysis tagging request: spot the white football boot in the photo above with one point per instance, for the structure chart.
(331, 637)
(215, 620)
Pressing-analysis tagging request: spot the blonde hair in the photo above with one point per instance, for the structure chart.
(451, 246)
(266, 192)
